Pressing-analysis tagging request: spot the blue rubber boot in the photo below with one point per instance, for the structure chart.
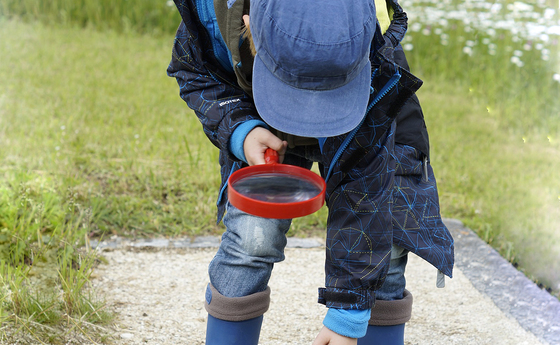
(221, 332)
(383, 335)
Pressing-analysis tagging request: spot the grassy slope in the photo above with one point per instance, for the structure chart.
(97, 113)
(504, 186)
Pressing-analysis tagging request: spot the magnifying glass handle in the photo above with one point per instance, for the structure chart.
(270, 156)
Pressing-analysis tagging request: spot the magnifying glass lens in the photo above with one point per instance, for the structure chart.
(276, 188)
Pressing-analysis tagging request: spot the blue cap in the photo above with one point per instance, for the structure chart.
(312, 73)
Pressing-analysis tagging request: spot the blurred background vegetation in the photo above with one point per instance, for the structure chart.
(122, 16)
(97, 143)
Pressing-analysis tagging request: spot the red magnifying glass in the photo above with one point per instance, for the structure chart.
(274, 190)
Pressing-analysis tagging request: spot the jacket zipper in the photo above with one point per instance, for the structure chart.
(388, 86)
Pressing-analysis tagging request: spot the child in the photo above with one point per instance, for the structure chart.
(326, 84)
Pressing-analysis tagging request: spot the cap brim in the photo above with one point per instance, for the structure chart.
(310, 113)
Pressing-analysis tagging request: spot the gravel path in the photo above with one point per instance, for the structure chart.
(157, 292)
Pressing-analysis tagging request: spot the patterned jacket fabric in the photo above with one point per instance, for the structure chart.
(360, 167)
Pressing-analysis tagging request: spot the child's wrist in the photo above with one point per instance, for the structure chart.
(349, 323)
(238, 136)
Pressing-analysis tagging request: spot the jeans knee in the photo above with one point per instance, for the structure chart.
(264, 242)
(256, 236)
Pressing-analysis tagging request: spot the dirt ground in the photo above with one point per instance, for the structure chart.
(158, 294)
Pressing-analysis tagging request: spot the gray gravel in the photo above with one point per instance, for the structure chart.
(157, 287)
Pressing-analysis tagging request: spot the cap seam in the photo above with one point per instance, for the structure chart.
(274, 23)
(355, 70)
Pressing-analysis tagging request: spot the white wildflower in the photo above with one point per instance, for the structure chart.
(549, 13)
(545, 54)
(519, 6)
(416, 26)
(495, 8)
(516, 61)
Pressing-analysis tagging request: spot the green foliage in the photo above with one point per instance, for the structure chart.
(117, 139)
(511, 77)
(142, 16)
(491, 104)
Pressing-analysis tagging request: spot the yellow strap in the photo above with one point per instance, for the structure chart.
(382, 14)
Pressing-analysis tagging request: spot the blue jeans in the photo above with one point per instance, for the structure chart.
(252, 245)
(395, 283)
(249, 249)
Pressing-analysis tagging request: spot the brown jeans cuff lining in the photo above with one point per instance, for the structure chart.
(390, 313)
(237, 308)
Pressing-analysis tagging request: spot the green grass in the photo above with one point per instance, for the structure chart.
(97, 114)
(505, 189)
(495, 136)
(140, 16)
(45, 268)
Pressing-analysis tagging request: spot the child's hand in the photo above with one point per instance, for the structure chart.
(328, 337)
(257, 141)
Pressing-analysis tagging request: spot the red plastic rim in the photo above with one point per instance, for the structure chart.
(271, 209)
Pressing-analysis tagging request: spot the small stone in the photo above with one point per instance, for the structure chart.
(127, 336)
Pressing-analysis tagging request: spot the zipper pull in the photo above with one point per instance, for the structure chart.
(440, 283)
(425, 177)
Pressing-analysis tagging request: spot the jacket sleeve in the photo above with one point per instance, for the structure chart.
(204, 85)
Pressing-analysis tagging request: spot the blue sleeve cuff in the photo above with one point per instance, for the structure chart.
(238, 137)
(349, 323)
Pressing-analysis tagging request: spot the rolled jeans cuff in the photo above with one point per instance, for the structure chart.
(346, 299)
(236, 308)
(390, 313)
